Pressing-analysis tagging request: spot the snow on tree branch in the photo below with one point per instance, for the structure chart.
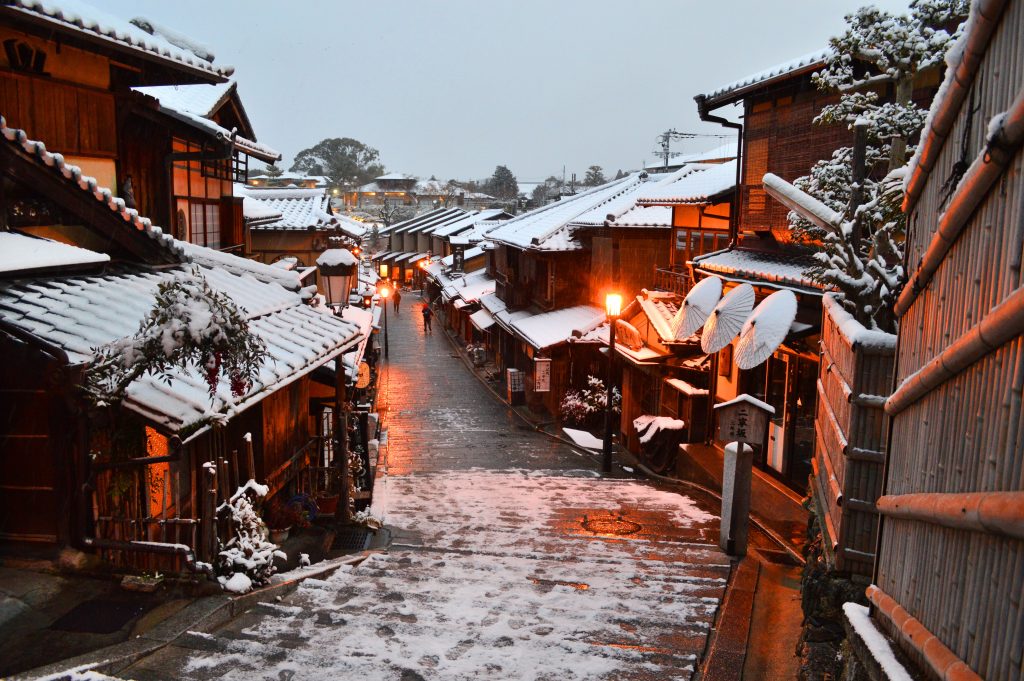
(873, 65)
(191, 326)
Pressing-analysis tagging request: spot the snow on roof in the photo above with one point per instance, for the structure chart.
(203, 99)
(466, 222)
(353, 227)
(546, 228)
(178, 107)
(619, 204)
(721, 152)
(659, 312)
(644, 216)
(749, 400)
(395, 176)
(482, 319)
(736, 89)
(434, 218)
(470, 253)
(80, 17)
(73, 174)
(472, 286)
(856, 334)
(256, 209)
(242, 267)
(785, 268)
(19, 253)
(299, 208)
(686, 388)
(599, 334)
(546, 329)
(80, 313)
(698, 183)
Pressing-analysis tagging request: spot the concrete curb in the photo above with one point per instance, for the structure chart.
(726, 651)
(204, 614)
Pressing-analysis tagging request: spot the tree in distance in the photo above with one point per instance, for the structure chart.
(502, 185)
(343, 160)
(594, 176)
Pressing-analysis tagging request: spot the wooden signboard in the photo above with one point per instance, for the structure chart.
(743, 420)
(542, 375)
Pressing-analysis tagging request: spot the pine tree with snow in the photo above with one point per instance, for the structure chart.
(873, 65)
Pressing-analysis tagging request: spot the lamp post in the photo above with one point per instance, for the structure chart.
(385, 291)
(613, 307)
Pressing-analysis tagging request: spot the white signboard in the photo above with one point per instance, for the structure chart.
(542, 375)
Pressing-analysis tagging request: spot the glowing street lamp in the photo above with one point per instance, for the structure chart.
(613, 308)
(385, 291)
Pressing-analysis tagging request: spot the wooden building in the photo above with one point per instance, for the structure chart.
(948, 582)
(130, 483)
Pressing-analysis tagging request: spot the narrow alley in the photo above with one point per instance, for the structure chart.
(511, 558)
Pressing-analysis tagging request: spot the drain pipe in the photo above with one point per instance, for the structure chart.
(704, 112)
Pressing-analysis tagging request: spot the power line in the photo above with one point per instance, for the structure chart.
(664, 141)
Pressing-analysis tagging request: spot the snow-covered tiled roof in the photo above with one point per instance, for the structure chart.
(434, 218)
(694, 184)
(203, 99)
(780, 269)
(735, 90)
(20, 253)
(300, 208)
(254, 209)
(242, 267)
(659, 311)
(547, 228)
(73, 175)
(546, 329)
(473, 285)
(80, 17)
(644, 216)
(466, 222)
(619, 204)
(194, 104)
(470, 253)
(80, 313)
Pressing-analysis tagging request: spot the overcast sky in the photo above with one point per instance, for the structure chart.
(454, 88)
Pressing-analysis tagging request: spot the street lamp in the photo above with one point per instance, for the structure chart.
(384, 293)
(337, 267)
(613, 307)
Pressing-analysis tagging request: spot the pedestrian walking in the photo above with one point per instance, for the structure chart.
(427, 315)
(397, 300)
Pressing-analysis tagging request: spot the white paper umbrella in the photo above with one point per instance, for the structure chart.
(727, 318)
(694, 311)
(764, 332)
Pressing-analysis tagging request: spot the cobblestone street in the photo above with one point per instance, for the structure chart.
(511, 558)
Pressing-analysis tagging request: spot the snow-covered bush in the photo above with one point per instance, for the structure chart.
(191, 326)
(584, 407)
(247, 559)
(861, 255)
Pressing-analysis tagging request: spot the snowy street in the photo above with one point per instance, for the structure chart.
(511, 560)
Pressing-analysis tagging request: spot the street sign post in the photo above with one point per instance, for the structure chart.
(741, 422)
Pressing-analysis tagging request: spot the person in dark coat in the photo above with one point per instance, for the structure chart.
(397, 299)
(428, 314)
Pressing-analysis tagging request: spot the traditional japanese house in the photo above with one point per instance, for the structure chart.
(550, 285)
(292, 222)
(140, 483)
(409, 243)
(948, 579)
(185, 148)
(394, 188)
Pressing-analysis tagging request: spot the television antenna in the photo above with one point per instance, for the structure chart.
(664, 141)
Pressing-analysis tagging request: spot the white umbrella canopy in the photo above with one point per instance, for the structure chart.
(696, 307)
(727, 318)
(764, 332)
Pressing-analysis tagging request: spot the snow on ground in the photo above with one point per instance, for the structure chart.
(508, 574)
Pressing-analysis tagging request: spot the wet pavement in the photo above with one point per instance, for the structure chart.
(512, 558)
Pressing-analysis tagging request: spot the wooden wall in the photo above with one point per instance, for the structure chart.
(965, 435)
(780, 137)
(285, 423)
(849, 444)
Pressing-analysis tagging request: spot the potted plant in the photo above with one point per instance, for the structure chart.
(281, 518)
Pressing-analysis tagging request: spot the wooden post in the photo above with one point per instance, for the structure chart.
(341, 441)
(740, 421)
(738, 470)
(208, 517)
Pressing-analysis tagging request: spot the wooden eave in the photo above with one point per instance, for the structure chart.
(153, 68)
(96, 216)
